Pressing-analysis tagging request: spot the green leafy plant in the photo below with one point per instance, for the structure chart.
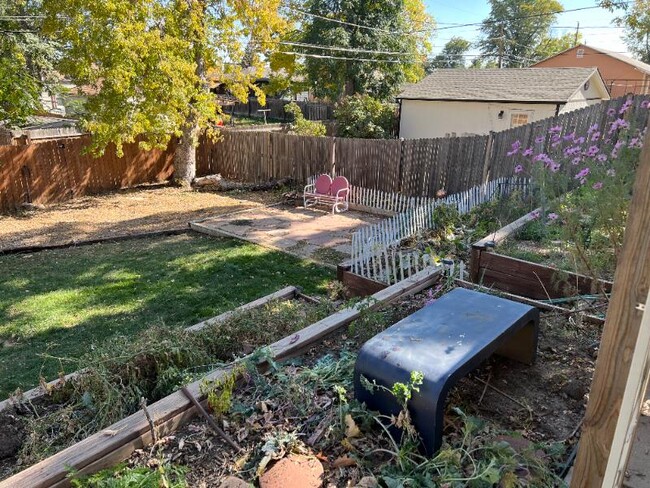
(302, 126)
(365, 117)
(164, 475)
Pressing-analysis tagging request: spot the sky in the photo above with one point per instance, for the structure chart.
(595, 25)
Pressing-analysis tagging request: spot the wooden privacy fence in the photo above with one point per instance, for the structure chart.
(58, 170)
(53, 171)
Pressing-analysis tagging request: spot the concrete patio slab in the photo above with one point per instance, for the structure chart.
(308, 233)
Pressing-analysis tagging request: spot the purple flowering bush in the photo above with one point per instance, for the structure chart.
(585, 186)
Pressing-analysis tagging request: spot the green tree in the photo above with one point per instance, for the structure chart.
(301, 125)
(635, 17)
(365, 117)
(378, 58)
(515, 29)
(551, 46)
(451, 56)
(26, 61)
(150, 59)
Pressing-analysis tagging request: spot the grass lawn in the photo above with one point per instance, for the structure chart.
(54, 305)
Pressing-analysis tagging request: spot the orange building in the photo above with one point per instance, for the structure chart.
(622, 74)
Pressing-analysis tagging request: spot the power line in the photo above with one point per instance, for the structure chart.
(323, 56)
(336, 48)
(531, 16)
(360, 26)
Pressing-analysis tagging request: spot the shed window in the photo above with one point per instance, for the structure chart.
(518, 118)
(580, 53)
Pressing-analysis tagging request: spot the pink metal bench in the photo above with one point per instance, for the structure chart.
(326, 191)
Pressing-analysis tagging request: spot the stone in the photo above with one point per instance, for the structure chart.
(367, 482)
(575, 390)
(294, 472)
(234, 482)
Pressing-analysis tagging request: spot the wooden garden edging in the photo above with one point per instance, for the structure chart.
(40, 391)
(117, 442)
(524, 278)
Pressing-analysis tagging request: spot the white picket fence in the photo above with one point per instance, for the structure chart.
(375, 249)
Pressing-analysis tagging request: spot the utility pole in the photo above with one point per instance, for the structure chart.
(575, 42)
(501, 47)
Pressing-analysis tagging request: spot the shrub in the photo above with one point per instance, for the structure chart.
(365, 117)
(302, 126)
(585, 192)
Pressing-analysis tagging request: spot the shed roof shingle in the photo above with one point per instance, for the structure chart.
(551, 85)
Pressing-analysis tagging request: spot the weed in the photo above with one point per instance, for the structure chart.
(121, 476)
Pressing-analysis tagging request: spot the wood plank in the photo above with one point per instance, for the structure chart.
(622, 367)
(283, 294)
(360, 286)
(504, 232)
(535, 279)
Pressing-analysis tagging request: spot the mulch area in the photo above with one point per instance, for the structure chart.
(127, 212)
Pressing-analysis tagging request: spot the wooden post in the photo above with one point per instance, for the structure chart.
(621, 374)
(488, 157)
(333, 158)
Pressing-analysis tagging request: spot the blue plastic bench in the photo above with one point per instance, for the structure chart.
(445, 341)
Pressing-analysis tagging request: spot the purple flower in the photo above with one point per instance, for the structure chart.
(593, 128)
(611, 111)
(571, 150)
(576, 160)
(592, 151)
(527, 152)
(539, 140)
(555, 130)
(579, 140)
(618, 124)
(554, 167)
(595, 136)
(552, 216)
(598, 185)
(541, 157)
(645, 104)
(626, 106)
(519, 169)
(516, 146)
(582, 174)
(601, 158)
(535, 214)
(611, 172)
(619, 144)
(568, 137)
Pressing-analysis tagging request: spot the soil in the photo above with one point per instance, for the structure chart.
(127, 212)
(543, 403)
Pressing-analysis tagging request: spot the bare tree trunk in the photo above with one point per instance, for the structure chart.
(185, 155)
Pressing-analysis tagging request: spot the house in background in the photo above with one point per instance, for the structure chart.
(457, 102)
(623, 75)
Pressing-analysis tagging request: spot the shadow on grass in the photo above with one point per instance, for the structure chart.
(61, 302)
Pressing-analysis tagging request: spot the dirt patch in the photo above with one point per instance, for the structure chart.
(127, 212)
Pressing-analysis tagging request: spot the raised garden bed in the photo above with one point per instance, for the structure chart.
(507, 424)
(552, 284)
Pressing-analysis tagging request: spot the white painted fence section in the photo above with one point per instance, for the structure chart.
(375, 249)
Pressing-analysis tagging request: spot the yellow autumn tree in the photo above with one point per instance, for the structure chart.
(148, 60)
